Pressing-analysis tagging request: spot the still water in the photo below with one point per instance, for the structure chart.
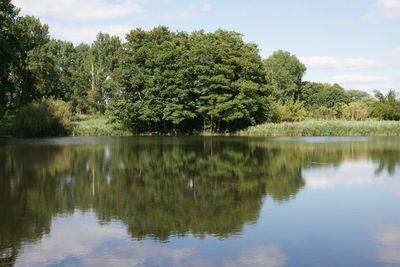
(195, 201)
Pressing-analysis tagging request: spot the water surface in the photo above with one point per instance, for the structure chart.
(200, 201)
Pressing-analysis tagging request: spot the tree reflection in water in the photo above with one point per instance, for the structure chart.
(160, 187)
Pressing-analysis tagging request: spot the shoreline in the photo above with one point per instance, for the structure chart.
(307, 128)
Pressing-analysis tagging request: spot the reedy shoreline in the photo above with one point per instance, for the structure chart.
(92, 126)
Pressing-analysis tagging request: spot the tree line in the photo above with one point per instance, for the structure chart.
(169, 82)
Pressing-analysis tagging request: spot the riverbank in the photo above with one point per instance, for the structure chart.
(325, 128)
(81, 126)
(100, 126)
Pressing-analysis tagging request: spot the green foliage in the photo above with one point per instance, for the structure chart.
(44, 118)
(284, 73)
(325, 113)
(176, 82)
(290, 111)
(80, 79)
(8, 52)
(92, 126)
(31, 35)
(385, 107)
(316, 95)
(160, 81)
(7, 127)
(325, 128)
(355, 111)
(101, 62)
(358, 96)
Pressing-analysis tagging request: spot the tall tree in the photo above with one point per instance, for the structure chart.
(284, 75)
(81, 79)
(102, 62)
(317, 95)
(31, 35)
(8, 51)
(230, 81)
(175, 81)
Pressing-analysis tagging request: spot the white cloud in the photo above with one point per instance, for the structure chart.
(82, 238)
(86, 33)
(355, 78)
(395, 52)
(384, 9)
(206, 7)
(323, 62)
(388, 238)
(190, 12)
(347, 174)
(79, 10)
(394, 189)
(271, 256)
(388, 8)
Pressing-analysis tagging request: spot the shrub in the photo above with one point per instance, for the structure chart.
(385, 107)
(355, 111)
(326, 113)
(44, 118)
(290, 111)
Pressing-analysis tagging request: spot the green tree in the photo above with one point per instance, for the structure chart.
(81, 79)
(355, 111)
(8, 52)
(102, 62)
(31, 35)
(284, 74)
(290, 111)
(358, 96)
(386, 107)
(175, 81)
(316, 95)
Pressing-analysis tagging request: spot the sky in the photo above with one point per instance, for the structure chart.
(354, 43)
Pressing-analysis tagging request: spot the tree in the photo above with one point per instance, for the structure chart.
(8, 52)
(316, 95)
(176, 81)
(81, 79)
(291, 111)
(386, 107)
(358, 96)
(31, 35)
(230, 83)
(102, 62)
(284, 73)
(355, 111)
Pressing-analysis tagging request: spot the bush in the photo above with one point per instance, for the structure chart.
(291, 111)
(325, 113)
(355, 111)
(45, 118)
(386, 107)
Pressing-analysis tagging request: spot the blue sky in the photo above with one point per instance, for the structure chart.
(354, 43)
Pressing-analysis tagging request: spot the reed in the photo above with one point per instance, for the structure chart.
(97, 126)
(325, 128)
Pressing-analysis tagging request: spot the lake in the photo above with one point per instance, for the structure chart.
(200, 201)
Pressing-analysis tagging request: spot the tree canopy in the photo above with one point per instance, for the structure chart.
(161, 81)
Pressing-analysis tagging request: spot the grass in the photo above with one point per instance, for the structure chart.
(81, 126)
(325, 128)
(97, 126)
